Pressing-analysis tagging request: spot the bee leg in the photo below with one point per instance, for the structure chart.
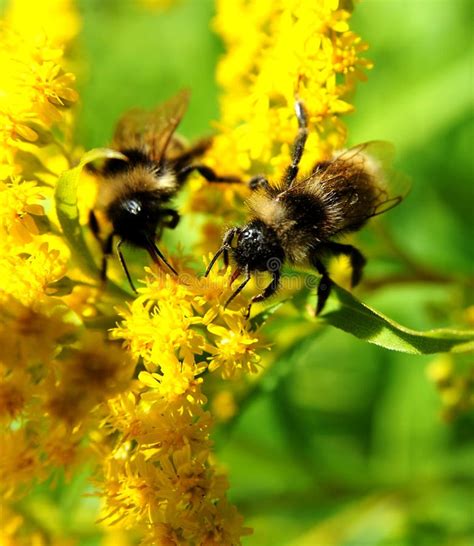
(94, 226)
(239, 289)
(173, 220)
(106, 246)
(225, 256)
(325, 284)
(259, 182)
(106, 252)
(267, 293)
(207, 173)
(226, 246)
(355, 256)
(298, 145)
(157, 255)
(124, 265)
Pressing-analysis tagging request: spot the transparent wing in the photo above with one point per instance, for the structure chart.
(151, 131)
(372, 163)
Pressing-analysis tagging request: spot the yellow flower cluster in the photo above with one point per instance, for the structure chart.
(175, 322)
(56, 19)
(35, 93)
(279, 50)
(453, 377)
(69, 393)
(62, 383)
(159, 469)
(53, 370)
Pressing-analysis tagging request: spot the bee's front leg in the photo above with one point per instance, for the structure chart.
(268, 291)
(206, 172)
(172, 219)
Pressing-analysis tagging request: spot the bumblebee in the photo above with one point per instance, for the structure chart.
(299, 219)
(135, 193)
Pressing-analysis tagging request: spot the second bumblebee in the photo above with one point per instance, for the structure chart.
(135, 193)
(298, 219)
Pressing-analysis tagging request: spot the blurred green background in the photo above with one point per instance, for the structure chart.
(343, 442)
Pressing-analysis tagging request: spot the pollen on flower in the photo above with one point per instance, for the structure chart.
(235, 348)
(19, 200)
(166, 477)
(28, 271)
(60, 21)
(15, 390)
(85, 377)
(295, 49)
(94, 372)
(35, 91)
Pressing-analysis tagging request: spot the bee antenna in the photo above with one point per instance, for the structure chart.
(156, 253)
(214, 260)
(226, 246)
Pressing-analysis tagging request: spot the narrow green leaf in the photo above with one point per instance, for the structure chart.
(67, 211)
(260, 318)
(346, 313)
(63, 287)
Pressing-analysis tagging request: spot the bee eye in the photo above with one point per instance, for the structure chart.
(132, 206)
(251, 234)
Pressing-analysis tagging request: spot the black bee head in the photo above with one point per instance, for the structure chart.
(135, 218)
(258, 248)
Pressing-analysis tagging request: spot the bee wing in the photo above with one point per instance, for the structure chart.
(374, 159)
(151, 131)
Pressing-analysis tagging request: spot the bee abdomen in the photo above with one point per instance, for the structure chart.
(307, 213)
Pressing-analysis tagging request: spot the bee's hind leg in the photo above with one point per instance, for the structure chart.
(206, 172)
(298, 145)
(325, 284)
(355, 256)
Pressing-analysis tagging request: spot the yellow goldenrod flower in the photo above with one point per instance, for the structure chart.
(19, 464)
(85, 376)
(35, 90)
(29, 336)
(30, 271)
(57, 19)
(18, 201)
(158, 473)
(292, 48)
(164, 325)
(224, 406)
(234, 347)
(15, 391)
(68, 394)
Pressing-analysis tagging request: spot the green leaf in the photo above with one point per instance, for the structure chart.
(346, 313)
(67, 211)
(63, 287)
(260, 318)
